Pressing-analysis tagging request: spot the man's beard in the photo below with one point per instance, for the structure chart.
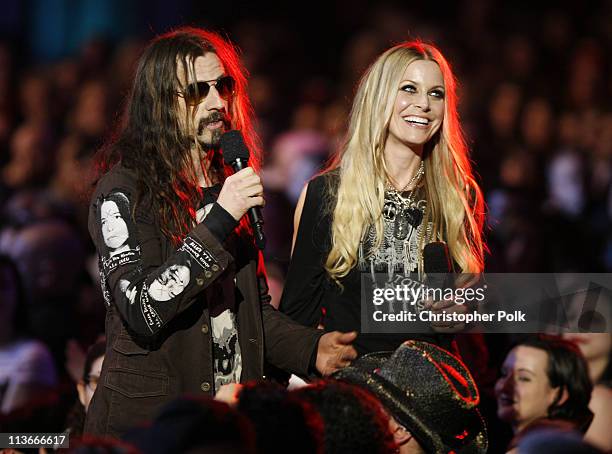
(213, 140)
(215, 134)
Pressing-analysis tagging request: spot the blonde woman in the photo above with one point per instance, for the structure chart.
(401, 179)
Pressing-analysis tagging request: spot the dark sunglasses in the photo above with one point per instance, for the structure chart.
(196, 92)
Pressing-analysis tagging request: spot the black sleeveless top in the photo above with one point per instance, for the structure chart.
(310, 297)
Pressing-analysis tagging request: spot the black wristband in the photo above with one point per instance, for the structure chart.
(220, 222)
(312, 365)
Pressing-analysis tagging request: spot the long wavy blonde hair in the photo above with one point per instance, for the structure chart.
(455, 204)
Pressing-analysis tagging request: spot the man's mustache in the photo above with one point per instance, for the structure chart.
(212, 118)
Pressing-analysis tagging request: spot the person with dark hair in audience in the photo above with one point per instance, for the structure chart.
(32, 153)
(597, 351)
(353, 419)
(86, 386)
(192, 424)
(544, 382)
(283, 423)
(50, 257)
(432, 404)
(27, 370)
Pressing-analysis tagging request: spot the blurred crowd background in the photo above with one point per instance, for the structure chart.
(535, 90)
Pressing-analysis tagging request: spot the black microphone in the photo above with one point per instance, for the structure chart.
(236, 155)
(437, 264)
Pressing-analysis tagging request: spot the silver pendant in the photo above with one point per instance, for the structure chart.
(401, 227)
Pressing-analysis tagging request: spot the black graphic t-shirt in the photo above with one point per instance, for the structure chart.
(397, 254)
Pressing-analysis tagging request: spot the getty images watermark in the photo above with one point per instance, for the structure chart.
(491, 303)
(419, 296)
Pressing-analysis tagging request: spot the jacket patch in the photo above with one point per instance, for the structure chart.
(171, 282)
(149, 314)
(198, 252)
(106, 294)
(120, 245)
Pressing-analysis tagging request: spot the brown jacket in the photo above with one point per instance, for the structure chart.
(159, 346)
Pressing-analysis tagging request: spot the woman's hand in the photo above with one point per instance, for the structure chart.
(446, 306)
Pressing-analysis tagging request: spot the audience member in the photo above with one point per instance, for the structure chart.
(282, 422)
(353, 419)
(597, 350)
(86, 386)
(27, 371)
(195, 424)
(544, 378)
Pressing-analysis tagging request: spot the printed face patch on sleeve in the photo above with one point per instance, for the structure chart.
(171, 282)
(198, 252)
(120, 245)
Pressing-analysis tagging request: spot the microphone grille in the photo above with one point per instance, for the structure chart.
(436, 258)
(233, 147)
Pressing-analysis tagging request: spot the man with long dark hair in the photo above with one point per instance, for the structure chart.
(212, 324)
